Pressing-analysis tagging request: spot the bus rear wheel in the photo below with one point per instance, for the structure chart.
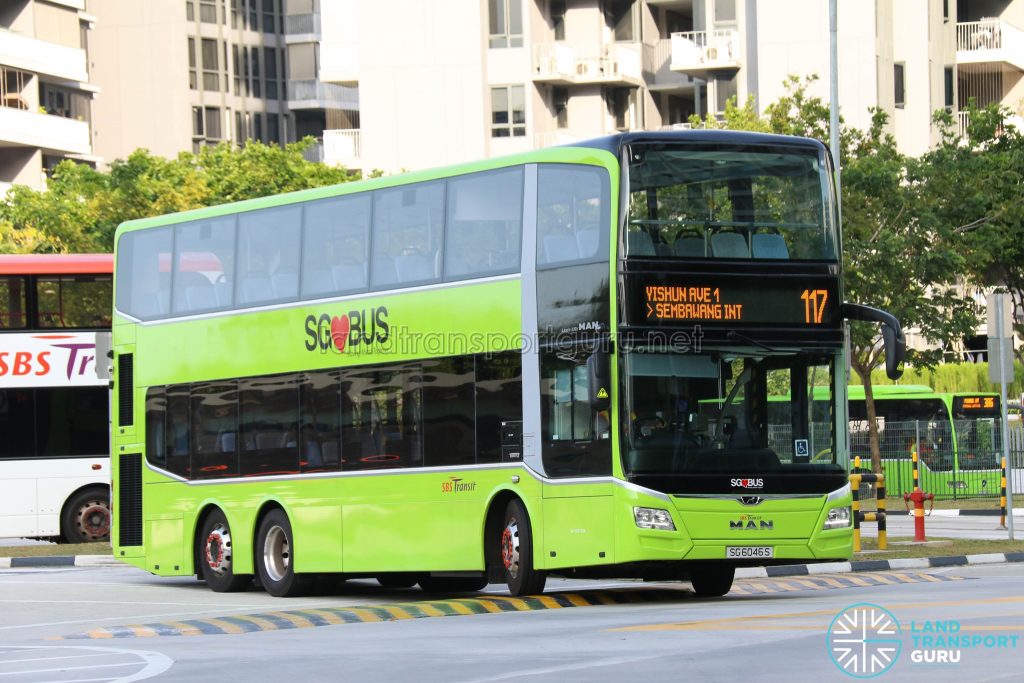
(516, 545)
(712, 581)
(216, 556)
(86, 517)
(275, 556)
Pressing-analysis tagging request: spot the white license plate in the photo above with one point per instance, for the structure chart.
(749, 552)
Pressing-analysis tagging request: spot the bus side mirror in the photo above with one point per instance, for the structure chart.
(892, 335)
(599, 381)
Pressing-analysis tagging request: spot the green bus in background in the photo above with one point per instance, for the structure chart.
(492, 372)
(959, 435)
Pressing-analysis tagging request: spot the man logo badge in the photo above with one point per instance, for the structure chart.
(751, 500)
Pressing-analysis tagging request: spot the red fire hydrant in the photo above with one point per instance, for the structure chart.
(918, 498)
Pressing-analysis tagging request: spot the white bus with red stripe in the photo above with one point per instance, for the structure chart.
(54, 409)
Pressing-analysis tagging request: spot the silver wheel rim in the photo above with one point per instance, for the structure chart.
(276, 553)
(218, 549)
(510, 548)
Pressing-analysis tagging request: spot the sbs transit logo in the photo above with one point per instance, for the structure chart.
(355, 330)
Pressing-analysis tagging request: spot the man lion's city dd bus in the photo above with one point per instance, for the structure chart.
(491, 372)
(54, 410)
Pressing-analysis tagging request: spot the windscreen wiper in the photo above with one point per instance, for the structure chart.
(736, 336)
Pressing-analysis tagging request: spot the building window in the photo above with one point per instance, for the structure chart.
(508, 111)
(273, 129)
(950, 90)
(725, 12)
(268, 16)
(253, 16)
(620, 16)
(211, 65)
(212, 116)
(506, 23)
(725, 89)
(257, 127)
(557, 13)
(254, 69)
(190, 11)
(945, 10)
(898, 73)
(208, 11)
(192, 82)
(236, 66)
(622, 106)
(560, 106)
(270, 71)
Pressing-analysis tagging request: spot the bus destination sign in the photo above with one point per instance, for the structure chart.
(735, 301)
(985, 405)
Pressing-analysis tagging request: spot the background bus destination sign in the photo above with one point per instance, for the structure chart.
(736, 301)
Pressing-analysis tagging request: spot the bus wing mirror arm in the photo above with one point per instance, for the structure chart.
(892, 335)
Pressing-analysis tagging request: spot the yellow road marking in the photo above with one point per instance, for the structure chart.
(520, 605)
(330, 617)
(144, 632)
(225, 626)
(184, 629)
(550, 602)
(488, 605)
(430, 610)
(459, 607)
(397, 612)
(296, 620)
(363, 614)
(264, 624)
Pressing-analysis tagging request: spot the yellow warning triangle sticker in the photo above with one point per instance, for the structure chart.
(602, 393)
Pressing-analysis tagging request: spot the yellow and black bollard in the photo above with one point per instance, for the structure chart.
(1002, 495)
(858, 516)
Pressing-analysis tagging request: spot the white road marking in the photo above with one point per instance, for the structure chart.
(610, 661)
(151, 663)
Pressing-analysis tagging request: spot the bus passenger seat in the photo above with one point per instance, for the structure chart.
(222, 293)
(414, 267)
(286, 285)
(255, 289)
(226, 441)
(329, 450)
(318, 281)
(729, 245)
(560, 248)
(383, 272)
(769, 245)
(200, 297)
(689, 246)
(348, 276)
(588, 241)
(639, 243)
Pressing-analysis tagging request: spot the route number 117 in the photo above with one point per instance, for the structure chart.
(814, 305)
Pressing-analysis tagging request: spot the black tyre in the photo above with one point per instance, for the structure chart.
(397, 580)
(516, 547)
(712, 581)
(216, 555)
(452, 584)
(86, 517)
(275, 557)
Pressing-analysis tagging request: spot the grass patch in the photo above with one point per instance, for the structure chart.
(936, 547)
(55, 549)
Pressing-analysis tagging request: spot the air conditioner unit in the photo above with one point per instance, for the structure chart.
(710, 54)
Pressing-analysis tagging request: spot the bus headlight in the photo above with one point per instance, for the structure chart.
(653, 518)
(838, 518)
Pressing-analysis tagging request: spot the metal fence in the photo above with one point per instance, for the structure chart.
(956, 460)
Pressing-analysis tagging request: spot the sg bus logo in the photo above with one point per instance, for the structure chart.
(355, 329)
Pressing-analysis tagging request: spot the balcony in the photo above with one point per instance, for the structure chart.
(565, 64)
(342, 148)
(696, 53)
(658, 68)
(301, 28)
(55, 133)
(41, 57)
(990, 41)
(314, 94)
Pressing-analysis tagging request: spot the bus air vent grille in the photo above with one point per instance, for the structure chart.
(129, 499)
(125, 389)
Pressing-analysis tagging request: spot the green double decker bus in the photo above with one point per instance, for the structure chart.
(551, 363)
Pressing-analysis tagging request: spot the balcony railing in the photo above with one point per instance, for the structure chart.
(989, 40)
(702, 51)
(314, 152)
(301, 24)
(564, 63)
(658, 67)
(31, 129)
(337, 96)
(343, 147)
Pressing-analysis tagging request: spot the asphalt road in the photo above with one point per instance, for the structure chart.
(771, 630)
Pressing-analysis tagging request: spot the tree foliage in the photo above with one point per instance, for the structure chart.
(82, 207)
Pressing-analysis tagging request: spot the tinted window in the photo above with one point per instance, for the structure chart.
(82, 301)
(214, 430)
(144, 273)
(572, 213)
(270, 425)
(382, 419)
(335, 244)
(320, 433)
(156, 406)
(575, 438)
(12, 308)
(407, 227)
(177, 432)
(204, 257)
(499, 401)
(71, 421)
(268, 256)
(484, 224)
(17, 415)
(448, 412)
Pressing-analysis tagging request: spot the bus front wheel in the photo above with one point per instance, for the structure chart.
(516, 546)
(275, 560)
(86, 517)
(712, 581)
(216, 554)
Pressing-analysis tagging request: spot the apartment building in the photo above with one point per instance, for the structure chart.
(439, 83)
(180, 74)
(45, 88)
